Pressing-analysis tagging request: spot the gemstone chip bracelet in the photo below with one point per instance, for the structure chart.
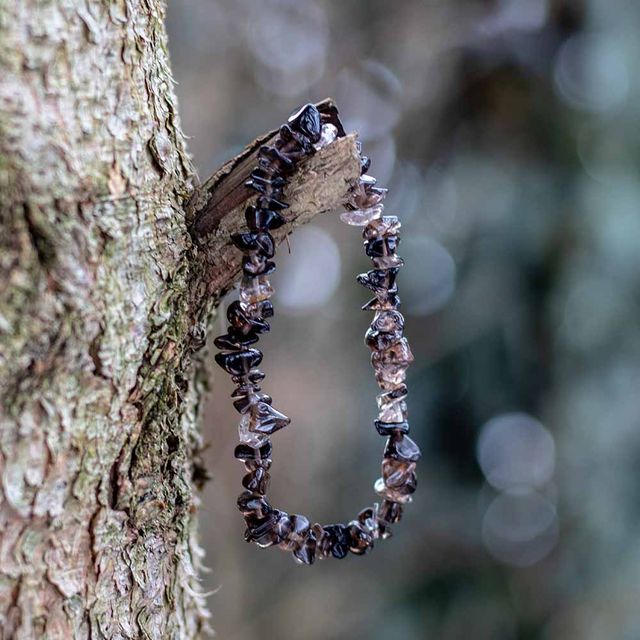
(305, 133)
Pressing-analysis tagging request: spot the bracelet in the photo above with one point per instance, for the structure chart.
(304, 134)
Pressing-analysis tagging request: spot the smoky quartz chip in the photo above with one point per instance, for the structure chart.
(402, 447)
(307, 121)
(245, 452)
(391, 428)
(240, 362)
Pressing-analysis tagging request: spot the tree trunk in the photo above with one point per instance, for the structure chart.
(104, 300)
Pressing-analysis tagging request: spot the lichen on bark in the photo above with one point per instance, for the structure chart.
(104, 302)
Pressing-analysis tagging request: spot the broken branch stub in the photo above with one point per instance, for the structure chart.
(216, 210)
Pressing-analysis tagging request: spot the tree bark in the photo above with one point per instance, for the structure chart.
(104, 300)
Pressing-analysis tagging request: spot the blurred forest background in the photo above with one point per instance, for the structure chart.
(508, 134)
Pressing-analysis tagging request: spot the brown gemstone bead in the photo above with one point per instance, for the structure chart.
(257, 481)
(381, 247)
(253, 465)
(366, 195)
(396, 494)
(368, 518)
(319, 535)
(381, 340)
(275, 160)
(263, 181)
(388, 322)
(399, 393)
(380, 227)
(390, 376)
(305, 553)
(397, 473)
(383, 280)
(263, 309)
(256, 265)
(254, 504)
(242, 321)
(300, 527)
(270, 530)
(260, 242)
(239, 363)
(293, 143)
(266, 419)
(261, 530)
(235, 341)
(390, 512)
(398, 354)
(360, 539)
(331, 540)
(259, 219)
(387, 300)
(245, 388)
(282, 528)
(245, 452)
(272, 201)
(254, 376)
(402, 447)
(247, 401)
(307, 121)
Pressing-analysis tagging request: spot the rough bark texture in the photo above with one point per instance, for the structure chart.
(104, 299)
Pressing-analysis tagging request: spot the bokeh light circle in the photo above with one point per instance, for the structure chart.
(514, 449)
(308, 278)
(520, 527)
(430, 276)
(591, 73)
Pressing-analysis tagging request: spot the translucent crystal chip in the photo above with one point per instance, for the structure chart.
(392, 411)
(392, 406)
(383, 226)
(361, 217)
(365, 194)
(397, 354)
(369, 518)
(247, 436)
(390, 376)
(254, 289)
(328, 134)
(395, 495)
